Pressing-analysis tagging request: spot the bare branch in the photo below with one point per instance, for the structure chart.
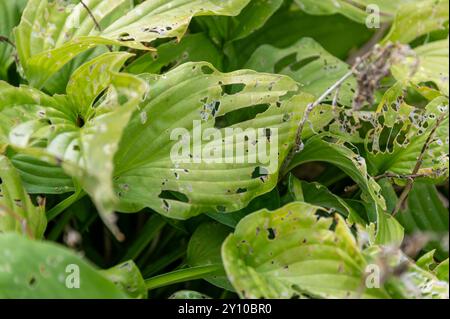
(97, 25)
(298, 147)
(426, 145)
(7, 40)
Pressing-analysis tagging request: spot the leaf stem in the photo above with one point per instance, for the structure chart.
(97, 25)
(164, 261)
(7, 40)
(181, 275)
(298, 139)
(62, 206)
(148, 232)
(409, 185)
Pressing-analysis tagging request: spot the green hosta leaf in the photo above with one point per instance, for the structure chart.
(442, 270)
(418, 18)
(425, 210)
(357, 10)
(295, 188)
(428, 263)
(204, 249)
(429, 63)
(17, 212)
(52, 33)
(199, 95)
(57, 83)
(9, 17)
(251, 18)
(425, 213)
(270, 200)
(286, 27)
(192, 48)
(336, 153)
(68, 130)
(188, 294)
(402, 277)
(398, 138)
(317, 194)
(290, 252)
(307, 63)
(46, 42)
(40, 177)
(34, 269)
(128, 278)
(387, 229)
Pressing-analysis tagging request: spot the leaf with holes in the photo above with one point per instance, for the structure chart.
(418, 18)
(52, 33)
(307, 63)
(399, 136)
(128, 278)
(427, 63)
(291, 252)
(67, 130)
(17, 212)
(388, 230)
(219, 152)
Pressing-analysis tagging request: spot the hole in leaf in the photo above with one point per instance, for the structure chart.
(232, 89)
(284, 62)
(271, 233)
(300, 64)
(221, 209)
(241, 115)
(259, 172)
(79, 121)
(174, 195)
(207, 70)
(32, 281)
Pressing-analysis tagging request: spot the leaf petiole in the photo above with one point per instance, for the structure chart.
(181, 275)
(62, 206)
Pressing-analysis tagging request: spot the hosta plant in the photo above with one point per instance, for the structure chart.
(192, 149)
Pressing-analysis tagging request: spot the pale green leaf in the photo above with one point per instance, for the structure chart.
(399, 135)
(188, 294)
(316, 194)
(192, 48)
(317, 149)
(418, 18)
(442, 271)
(428, 63)
(309, 64)
(53, 33)
(67, 130)
(403, 279)
(204, 249)
(387, 229)
(128, 278)
(35, 269)
(291, 252)
(17, 212)
(358, 10)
